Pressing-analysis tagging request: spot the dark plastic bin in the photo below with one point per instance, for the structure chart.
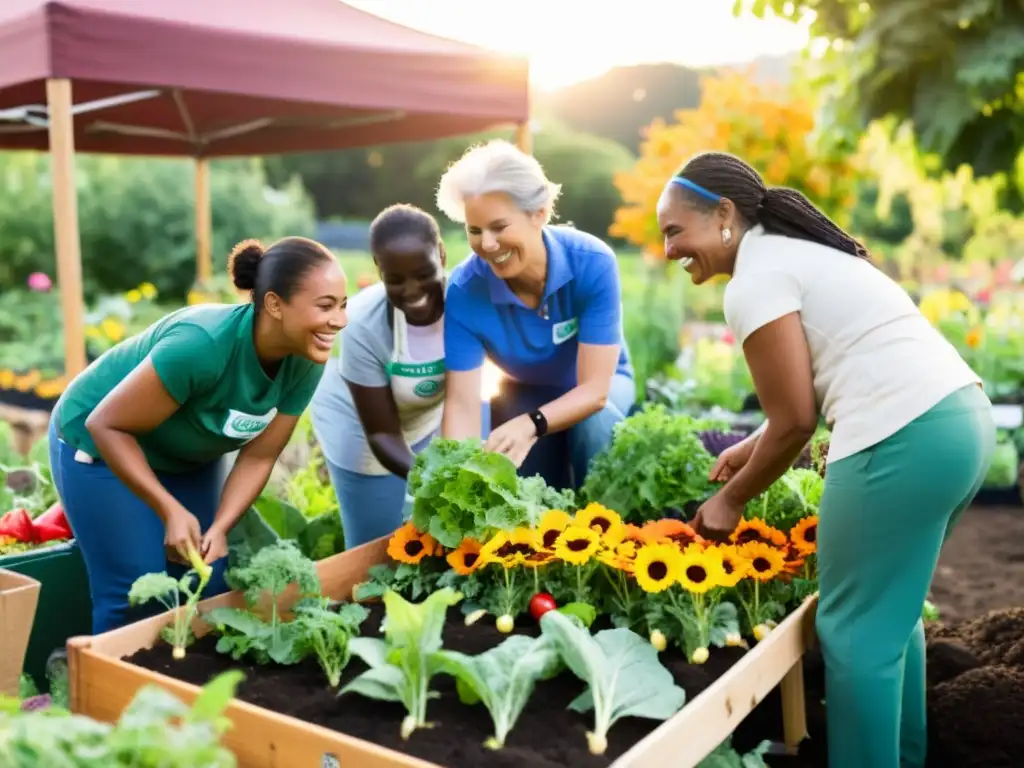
(65, 607)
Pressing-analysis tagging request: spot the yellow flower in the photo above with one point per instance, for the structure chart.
(621, 557)
(112, 329)
(657, 567)
(466, 559)
(6, 379)
(604, 521)
(554, 522)
(974, 337)
(133, 296)
(701, 570)
(734, 567)
(765, 561)
(577, 545)
(148, 290)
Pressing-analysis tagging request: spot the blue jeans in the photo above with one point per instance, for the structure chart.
(371, 505)
(120, 537)
(563, 458)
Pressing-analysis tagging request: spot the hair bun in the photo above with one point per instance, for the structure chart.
(244, 262)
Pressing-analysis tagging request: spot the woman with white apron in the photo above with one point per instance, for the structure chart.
(380, 401)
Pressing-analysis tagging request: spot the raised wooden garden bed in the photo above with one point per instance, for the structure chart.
(102, 684)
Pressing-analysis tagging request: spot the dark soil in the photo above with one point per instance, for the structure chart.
(975, 675)
(546, 734)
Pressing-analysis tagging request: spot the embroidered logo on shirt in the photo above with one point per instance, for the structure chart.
(565, 330)
(246, 426)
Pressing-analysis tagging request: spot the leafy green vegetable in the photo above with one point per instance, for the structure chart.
(167, 590)
(502, 678)
(156, 730)
(725, 756)
(328, 633)
(460, 490)
(656, 461)
(401, 665)
(789, 499)
(269, 573)
(623, 674)
(1002, 471)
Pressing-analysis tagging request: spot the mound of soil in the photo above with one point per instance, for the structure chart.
(545, 736)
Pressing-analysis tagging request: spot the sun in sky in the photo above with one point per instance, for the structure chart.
(572, 40)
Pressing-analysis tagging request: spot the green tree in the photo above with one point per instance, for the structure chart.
(953, 67)
(136, 218)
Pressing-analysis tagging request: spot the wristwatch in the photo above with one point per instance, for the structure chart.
(540, 422)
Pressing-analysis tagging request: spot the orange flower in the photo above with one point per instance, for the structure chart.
(757, 530)
(670, 529)
(804, 535)
(466, 559)
(408, 545)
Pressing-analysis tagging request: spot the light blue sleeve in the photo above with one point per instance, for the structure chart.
(600, 294)
(463, 349)
(366, 349)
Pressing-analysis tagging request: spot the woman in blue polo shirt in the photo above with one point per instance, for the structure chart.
(544, 304)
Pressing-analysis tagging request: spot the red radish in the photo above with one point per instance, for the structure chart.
(540, 604)
(18, 523)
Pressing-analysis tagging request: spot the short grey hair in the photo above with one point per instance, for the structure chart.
(496, 166)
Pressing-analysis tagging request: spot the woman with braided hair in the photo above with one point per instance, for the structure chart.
(824, 331)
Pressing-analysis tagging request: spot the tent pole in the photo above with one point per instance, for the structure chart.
(523, 138)
(65, 222)
(204, 268)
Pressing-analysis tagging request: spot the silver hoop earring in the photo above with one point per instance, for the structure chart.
(726, 235)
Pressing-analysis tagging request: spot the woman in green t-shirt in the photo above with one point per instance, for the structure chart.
(138, 439)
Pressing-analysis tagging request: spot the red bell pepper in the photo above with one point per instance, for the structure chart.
(18, 524)
(55, 519)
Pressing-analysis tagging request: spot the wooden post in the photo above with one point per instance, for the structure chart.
(65, 223)
(204, 268)
(524, 140)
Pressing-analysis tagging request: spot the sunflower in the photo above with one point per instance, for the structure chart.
(804, 535)
(700, 571)
(794, 559)
(657, 567)
(577, 545)
(757, 530)
(466, 559)
(621, 557)
(604, 520)
(538, 559)
(734, 567)
(554, 522)
(510, 549)
(765, 561)
(670, 529)
(633, 533)
(407, 545)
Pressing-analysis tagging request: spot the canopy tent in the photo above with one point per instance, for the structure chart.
(232, 77)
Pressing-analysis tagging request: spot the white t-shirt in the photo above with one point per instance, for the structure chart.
(877, 362)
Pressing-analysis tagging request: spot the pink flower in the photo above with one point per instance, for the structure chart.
(728, 338)
(40, 281)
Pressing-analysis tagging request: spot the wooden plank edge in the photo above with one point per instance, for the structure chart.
(259, 737)
(706, 721)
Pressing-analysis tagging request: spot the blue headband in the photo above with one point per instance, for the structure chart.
(697, 188)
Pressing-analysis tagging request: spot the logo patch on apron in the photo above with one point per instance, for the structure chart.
(426, 388)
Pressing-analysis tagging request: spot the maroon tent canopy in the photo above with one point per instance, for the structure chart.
(243, 77)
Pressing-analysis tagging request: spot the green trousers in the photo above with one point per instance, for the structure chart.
(884, 516)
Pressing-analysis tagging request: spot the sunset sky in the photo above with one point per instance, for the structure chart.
(571, 40)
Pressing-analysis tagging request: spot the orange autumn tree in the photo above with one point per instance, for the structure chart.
(766, 125)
